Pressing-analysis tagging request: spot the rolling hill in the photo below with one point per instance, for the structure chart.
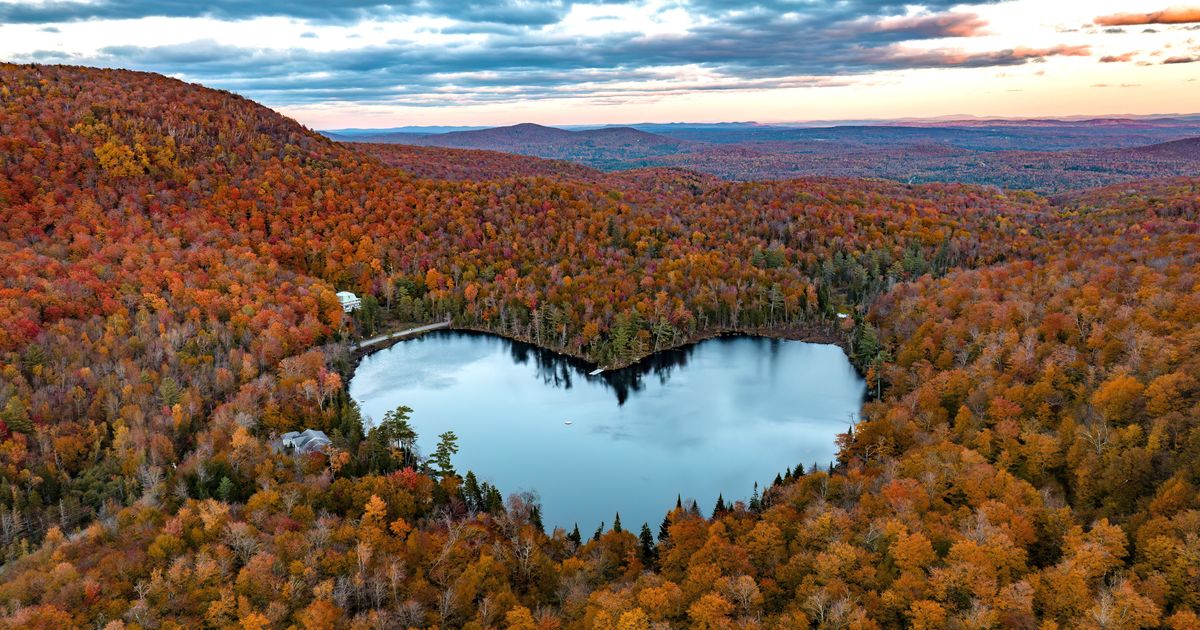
(1048, 156)
(606, 148)
(170, 256)
(1187, 149)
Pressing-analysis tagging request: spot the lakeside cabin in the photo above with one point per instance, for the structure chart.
(350, 302)
(306, 441)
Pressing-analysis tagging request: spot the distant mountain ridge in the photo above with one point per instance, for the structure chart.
(1186, 149)
(958, 120)
(606, 147)
(1045, 155)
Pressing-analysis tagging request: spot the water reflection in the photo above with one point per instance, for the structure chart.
(705, 419)
(559, 370)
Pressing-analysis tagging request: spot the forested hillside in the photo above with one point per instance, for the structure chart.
(1047, 156)
(167, 308)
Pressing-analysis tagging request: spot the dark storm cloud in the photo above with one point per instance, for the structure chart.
(777, 43)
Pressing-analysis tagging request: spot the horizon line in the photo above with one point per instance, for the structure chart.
(834, 122)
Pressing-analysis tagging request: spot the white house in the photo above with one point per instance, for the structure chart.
(350, 302)
(306, 441)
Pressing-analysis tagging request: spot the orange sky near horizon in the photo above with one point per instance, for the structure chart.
(563, 62)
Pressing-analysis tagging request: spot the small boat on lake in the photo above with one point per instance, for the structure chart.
(568, 422)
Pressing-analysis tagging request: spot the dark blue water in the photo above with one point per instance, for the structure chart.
(711, 418)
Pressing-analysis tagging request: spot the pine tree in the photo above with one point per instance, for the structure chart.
(471, 493)
(535, 518)
(664, 531)
(495, 503)
(755, 502)
(719, 509)
(574, 536)
(649, 552)
(440, 460)
(617, 523)
(778, 480)
(694, 510)
(599, 532)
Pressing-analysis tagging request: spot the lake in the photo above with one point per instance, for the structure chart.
(712, 418)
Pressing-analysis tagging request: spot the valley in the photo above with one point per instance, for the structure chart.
(1025, 455)
(1047, 156)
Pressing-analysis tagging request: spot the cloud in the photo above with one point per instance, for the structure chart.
(1177, 15)
(1122, 58)
(960, 59)
(931, 26)
(1175, 60)
(526, 12)
(517, 50)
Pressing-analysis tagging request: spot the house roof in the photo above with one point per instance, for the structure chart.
(306, 440)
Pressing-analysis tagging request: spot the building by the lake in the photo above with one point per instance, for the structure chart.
(306, 441)
(350, 302)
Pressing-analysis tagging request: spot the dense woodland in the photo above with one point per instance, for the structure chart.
(1029, 457)
(1047, 156)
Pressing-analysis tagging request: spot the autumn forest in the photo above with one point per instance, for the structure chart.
(1028, 456)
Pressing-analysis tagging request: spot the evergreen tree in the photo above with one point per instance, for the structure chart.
(471, 493)
(866, 344)
(664, 531)
(535, 518)
(778, 480)
(646, 541)
(574, 536)
(599, 532)
(719, 509)
(617, 523)
(755, 502)
(440, 460)
(16, 415)
(395, 431)
(694, 510)
(495, 503)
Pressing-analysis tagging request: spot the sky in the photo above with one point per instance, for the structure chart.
(365, 63)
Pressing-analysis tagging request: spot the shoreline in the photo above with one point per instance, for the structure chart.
(825, 333)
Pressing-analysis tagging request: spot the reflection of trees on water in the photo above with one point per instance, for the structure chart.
(561, 371)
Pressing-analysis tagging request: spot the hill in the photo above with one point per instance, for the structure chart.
(469, 164)
(1042, 171)
(1048, 156)
(603, 148)
(170, 255)
(1187, 149)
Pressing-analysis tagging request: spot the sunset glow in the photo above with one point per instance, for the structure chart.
(648, 60)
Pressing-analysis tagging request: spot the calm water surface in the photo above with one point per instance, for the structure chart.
(711, 418)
